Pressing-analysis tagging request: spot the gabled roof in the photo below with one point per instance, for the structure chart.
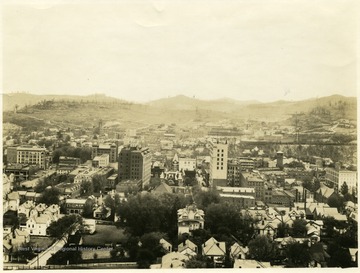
(163, 188)
(214, 248)
(187, 244)
(28, 205)
(353, 251)
(235, 249)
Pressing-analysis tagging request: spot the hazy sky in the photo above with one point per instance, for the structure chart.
(142, 50)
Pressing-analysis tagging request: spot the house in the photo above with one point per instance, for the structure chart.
(329, 212)
(166, 245)
(313, 229)
(53, 210)
(324, 193)
(38, 225)
(214, 250)
(188, 248)
(189, 219)
(26, 207)
(38, 210)
(238, 252)
(174, 260)
(13, 201)
(240, 263)
(12, 241)
(266, 227)
(102, 212)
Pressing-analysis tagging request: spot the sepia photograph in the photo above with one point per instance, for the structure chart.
(154, 134)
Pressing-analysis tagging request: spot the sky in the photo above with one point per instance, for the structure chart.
(263, 50)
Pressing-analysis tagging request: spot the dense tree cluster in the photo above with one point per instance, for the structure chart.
(64, 225)
(146, 212)
(84, 153)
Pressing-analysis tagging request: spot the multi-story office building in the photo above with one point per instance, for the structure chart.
(135, 164)
(254, 180)
(335, 177)
(235, 167)
(100, 149)
(31, 155)
(218, 163)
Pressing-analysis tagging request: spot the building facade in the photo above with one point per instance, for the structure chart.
(336, 177)
(110, 149)
(218, 163)
(189, 219)
(187, 164)
(134, 164)
(32, 155)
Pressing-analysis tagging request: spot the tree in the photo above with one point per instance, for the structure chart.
(204, 198)
(262, 248)
(222, 216)
(297, 254)
(335, 201)
(88, 208)
(145, 258)
(71, 256)
(299, 228)
(282, 230)
(344, 189)
(199, 261)
(50, 196)
(86, 188)
(99, 183)
(64, 225)
(144, 213)
(25, 252)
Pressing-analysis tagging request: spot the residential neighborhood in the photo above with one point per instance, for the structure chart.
(187, 210)
(154, 135)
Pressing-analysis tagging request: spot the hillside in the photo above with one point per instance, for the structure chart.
(182, 102)
(27, 99)
(65, 111)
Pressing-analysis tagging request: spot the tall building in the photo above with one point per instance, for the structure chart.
(134, 164)
(254, 180)
(218, 163)
(32, 155)
(100, 149)
(235, 167)
(335, 177)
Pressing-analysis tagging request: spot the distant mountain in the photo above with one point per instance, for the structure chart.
(335, 106)
(22, 99)
(253, 109)
(182, 102)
